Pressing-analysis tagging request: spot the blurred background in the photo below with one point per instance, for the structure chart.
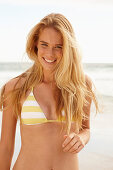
(92, 21)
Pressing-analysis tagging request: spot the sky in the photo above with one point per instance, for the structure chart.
(92, 21)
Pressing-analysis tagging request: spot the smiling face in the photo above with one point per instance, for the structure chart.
(49, 48)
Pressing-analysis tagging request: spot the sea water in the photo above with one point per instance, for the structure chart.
(100, 73)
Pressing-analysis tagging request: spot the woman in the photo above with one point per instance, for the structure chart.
(52, 99)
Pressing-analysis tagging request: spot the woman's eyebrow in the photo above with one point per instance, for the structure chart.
(47, 43)
(44, 42)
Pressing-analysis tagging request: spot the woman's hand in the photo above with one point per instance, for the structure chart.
(72, 143)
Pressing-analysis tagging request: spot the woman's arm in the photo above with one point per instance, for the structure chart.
(84, 134)
(75, 142)
(7, 131)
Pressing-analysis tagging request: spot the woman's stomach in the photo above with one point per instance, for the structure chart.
(41, 148)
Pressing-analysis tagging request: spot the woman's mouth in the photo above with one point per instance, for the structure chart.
(49, 61)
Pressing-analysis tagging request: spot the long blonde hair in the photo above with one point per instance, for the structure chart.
(69, 76)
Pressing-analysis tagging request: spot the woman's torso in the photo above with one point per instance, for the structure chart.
(41, 144)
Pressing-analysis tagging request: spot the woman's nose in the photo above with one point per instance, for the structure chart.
(50, 52)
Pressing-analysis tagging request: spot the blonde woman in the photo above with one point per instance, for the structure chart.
(51, 99)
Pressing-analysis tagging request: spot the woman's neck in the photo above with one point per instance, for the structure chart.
(48, 77)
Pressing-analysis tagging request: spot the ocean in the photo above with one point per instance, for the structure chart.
(101, 140)
(100, 73)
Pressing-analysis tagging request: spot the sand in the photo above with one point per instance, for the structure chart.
(98, 153)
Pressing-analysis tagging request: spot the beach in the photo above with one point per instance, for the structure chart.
(98, 153)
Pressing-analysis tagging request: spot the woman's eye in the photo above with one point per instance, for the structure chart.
(59, 47)
(44, 45)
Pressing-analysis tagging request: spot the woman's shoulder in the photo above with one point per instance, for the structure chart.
(14, 83)
(88, 80)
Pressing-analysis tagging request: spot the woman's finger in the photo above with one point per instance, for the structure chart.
(68, 139)
(75, 147)
(78, 149)
(70, 144)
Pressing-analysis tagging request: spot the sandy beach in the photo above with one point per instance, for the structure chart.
(98, 153)
(94, 161)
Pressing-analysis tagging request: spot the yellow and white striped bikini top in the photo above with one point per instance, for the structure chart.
(31, 113)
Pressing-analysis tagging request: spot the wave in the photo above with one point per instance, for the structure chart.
(24, 65)
(110, 97)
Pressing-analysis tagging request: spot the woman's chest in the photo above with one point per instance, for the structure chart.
(39, 105)
(47, 99)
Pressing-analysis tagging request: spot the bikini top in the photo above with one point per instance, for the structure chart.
(32, 113)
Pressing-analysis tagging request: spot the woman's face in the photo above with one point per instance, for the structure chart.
(49, 48)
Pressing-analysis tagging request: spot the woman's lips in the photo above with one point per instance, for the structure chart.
(49, 61)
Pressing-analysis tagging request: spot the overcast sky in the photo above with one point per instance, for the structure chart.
(92, 21)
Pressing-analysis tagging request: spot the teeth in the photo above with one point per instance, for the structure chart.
(49, 61)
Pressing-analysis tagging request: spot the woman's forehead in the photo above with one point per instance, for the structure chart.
(50, 35)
